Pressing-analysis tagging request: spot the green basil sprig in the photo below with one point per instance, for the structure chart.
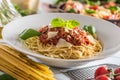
(69, 24)
(71, 11)
(114, 8)
(93, 2)
(90, 11)
(90, 29)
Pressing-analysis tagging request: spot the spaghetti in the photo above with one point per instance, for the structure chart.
(74, 52)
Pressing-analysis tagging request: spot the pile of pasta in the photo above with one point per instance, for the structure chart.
(74, 52)
(21, 67)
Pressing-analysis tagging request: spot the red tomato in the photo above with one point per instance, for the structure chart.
(102, 77)
(94, 7)
(111, 3)
(101, 71)
(117, 78)
(117, 70)
(105, 17)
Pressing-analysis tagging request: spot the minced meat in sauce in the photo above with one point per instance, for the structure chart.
(75, 36)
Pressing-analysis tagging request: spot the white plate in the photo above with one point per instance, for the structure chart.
(107, 32)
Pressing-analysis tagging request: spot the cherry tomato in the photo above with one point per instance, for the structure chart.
(111, 3)
(101, 71)
(94, 7)
(102, 77)
(117, 70)
(105, 17)
(117, 78)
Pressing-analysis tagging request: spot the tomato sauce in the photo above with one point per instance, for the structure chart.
(74, 36)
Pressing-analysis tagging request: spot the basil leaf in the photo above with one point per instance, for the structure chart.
(24, 12)
(6, 77)
(93, 2)
(85, 27)
(71, 11)
(90, 29)
(88, 2)
(114, 8)
(90, 11)
(58, 22)
(71, 24)
(27, 33)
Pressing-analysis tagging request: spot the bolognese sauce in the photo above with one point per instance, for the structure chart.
(74, 36)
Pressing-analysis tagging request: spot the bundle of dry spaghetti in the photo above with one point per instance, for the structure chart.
(21, 67)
